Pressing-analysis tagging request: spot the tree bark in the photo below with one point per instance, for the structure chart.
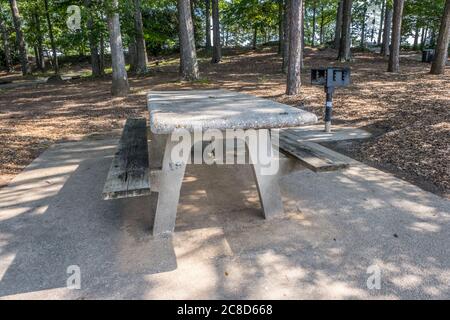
(380, 30)
(141, 51)
(394, 57)
(441, 55)
(433, 38)
(227, 35)
(280, 27)
(17, 19)
(132, 54)
(255, 37)
(208, 24)
(52, 38)
(194, 27)
(422, 38)
(313, 36)
(322, 22)
(6, 48)
(120, 86)
(416, 36)
(95, 56)
(217, 50)
(302, 37)
(286, 23)
(425, 37)
(189, 64)
(93, 44)
(36, 56)
(386, 32)
(344, 46)
(39, 49)
(338, 29)
(363, 28)
(102, 54)
(295, 48)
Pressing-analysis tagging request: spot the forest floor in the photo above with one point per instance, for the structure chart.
(407, 113)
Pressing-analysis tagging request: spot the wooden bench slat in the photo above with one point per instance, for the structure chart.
(310, 154)
(325, 152)
(129, 172)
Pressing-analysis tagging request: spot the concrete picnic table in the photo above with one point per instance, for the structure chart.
(173, 111)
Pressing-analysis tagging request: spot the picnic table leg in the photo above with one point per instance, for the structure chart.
(156, 153)
(267, 184)
(171, 178)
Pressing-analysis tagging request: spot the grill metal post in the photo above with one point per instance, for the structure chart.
(328, 109)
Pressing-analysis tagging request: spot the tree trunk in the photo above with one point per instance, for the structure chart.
(95, 56)
(295, 48)
(36, 56)
(227, 34)
(52, 38)
(208, 24)
(141, 51)
(433, 38)
(102, 54)
(40, 61)
(120, 86)
(132, 54)
(386, 32)
(441, 55)
(422, 38)
(425, 37)
(93, 43)
(280, 27)
(17, 19)
(380, 30)
(6, 48)
(344, 46)
(192, 6)
(322, 21)
(313, 36)
(255, 37)
(189, 64)
(372, 32)
(286, 24)
(363, 28)
(217, 50)
(338, 29)
(416, 36)
(302, 37)
(394, 57)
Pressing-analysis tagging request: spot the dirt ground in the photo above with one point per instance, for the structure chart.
(408, 113)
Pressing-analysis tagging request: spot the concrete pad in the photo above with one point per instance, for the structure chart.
(338, 224)
(315, 133)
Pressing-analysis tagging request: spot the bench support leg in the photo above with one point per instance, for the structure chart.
(171, 178)
(267, 182)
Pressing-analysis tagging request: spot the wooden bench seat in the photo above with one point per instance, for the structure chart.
(129, 172)
(312, 155)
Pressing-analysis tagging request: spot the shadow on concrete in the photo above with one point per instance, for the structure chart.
(50, 230)
(336, 226)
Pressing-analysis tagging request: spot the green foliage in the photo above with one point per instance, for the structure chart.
(160, 26)
(243, 17)
(325, 18)
(420, 14)
(239, 21)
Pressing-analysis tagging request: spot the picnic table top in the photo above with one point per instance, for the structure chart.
(219, 109)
